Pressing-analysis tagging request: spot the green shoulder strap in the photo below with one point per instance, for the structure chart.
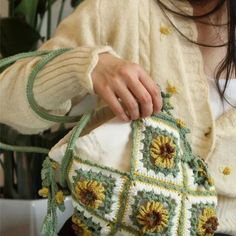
(47, 56)
(49, 180)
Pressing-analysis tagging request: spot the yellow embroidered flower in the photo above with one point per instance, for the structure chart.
(227, 170)
(208, 222)
(43, 192)
(90, 193)
(165, 30)
(153, 217)
(59, 197)
(79, 228)
(163, 151)
(180, 123)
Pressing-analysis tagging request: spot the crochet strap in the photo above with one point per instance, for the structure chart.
(47, 56)
(29, 90)
(49, 180)
(70, 147)
(5, 62)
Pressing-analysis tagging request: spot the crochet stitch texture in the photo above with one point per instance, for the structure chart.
(168, 190)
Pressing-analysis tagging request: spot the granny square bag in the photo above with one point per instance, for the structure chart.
(143, 180)
(165, 190)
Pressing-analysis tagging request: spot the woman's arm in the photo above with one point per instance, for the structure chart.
(70, 75)
(65, 77)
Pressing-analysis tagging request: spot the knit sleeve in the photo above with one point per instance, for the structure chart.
(65, 77)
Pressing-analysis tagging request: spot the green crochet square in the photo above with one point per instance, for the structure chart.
(203, 219)
(160, 151)
(83, 225)
(153, 213)
(94, 190)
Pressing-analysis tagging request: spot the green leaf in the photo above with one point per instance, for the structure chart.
(42, 7)
(28, 8)
(16, 36)
(75, 3)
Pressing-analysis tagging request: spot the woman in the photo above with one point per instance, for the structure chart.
(121, 50)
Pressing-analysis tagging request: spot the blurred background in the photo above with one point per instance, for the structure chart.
(24, 26)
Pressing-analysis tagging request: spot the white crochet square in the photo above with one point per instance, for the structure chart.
(138, 148)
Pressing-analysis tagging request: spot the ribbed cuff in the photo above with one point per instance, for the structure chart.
(67, 76)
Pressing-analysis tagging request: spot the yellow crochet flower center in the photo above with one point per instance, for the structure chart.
(180, 123)
(79, 228)
(201, 170)
(59, 197)
(163, 151)
(90, 193)
(171, 89)
(43, 192)
(208, 222)
(55, 165)
(153, 217)
(210, 181)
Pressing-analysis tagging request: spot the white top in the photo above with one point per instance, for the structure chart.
(218, 107)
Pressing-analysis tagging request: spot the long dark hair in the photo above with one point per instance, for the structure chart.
(228, 64)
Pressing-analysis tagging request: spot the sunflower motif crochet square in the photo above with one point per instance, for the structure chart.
(167, 191)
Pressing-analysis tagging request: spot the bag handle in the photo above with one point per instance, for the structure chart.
(5, 62)
(70, 146)
(29, 90)
(48, 176)
(47, 56)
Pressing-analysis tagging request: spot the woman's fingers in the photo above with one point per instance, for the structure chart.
(115, 78)
(142, 96)
(112, 101)
(128, 101)
(153, 90)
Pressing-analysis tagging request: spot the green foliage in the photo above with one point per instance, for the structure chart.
(11, 29)
(29, 10)
(75, 3)
(20, 32)
(22, 170)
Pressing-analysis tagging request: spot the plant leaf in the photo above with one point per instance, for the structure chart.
(42, 7)
(75, 3)
(28, 8)
(16, 36)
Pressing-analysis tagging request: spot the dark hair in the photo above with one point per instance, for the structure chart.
(228, 64)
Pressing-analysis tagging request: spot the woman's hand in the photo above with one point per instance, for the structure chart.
(119, 82)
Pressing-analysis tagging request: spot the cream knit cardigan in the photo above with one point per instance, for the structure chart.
(138, 31)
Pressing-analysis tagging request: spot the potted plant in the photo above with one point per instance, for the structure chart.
(20, 204)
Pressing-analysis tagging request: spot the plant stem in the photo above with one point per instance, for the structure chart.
(49, 19)
(1, 163)
(61, 11)
(23, 148)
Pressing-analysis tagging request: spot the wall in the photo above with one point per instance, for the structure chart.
(3, 8)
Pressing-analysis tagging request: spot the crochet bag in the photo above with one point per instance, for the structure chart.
(165, 189)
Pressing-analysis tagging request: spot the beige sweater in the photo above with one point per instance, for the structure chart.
(136, 30)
